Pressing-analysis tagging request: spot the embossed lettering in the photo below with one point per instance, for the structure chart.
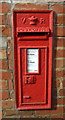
(42, 21)
(23, 20)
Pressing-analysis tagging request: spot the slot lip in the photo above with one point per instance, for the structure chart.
(45, 37)
(26, 97)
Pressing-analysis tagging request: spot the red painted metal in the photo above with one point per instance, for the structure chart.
(33, 30)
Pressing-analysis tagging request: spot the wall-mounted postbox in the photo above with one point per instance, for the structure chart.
(33, 58)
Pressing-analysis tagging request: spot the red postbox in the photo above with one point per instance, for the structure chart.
(33, 58)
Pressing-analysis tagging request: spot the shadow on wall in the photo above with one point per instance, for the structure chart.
(54, 89)
(54, 76)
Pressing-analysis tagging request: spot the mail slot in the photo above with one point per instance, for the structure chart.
(33, 31)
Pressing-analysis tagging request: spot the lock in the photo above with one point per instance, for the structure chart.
(29, 80)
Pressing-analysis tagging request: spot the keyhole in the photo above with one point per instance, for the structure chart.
(27, 80)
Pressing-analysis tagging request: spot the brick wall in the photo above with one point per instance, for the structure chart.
(7, 92)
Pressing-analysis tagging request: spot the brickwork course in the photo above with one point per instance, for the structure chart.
(7, 90)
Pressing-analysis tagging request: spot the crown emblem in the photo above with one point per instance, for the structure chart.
(33, 20)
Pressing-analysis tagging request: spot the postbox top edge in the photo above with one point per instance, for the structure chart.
(34, 11)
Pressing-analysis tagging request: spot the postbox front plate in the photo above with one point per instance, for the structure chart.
(33, 58)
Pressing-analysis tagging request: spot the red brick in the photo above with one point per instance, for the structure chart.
(5, 75)
(63, 83)
(60, 20)
(62, 92)
(0, 31)
(10, 65)
(64, 115)
(1, 75)
(4, 95)
(3, 64)
(59, 63)
(0, 64)
(5, 7)
(59, 42)
(60, 101)
(10, 84)
(9, 19)
(59, 53)
(0, 115)
(57, 117)
(1, 104)
(8, 104)
(58, 8)
(31, 6)
(59, 74)
(11, 112)
(2, 20)
(10, 54)
(27, 113)
(60, 31)
(3, 54)
(0, 7)
(50, 112)
(3, 85)
(5, 31)
(0, 95)
(57, 83)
